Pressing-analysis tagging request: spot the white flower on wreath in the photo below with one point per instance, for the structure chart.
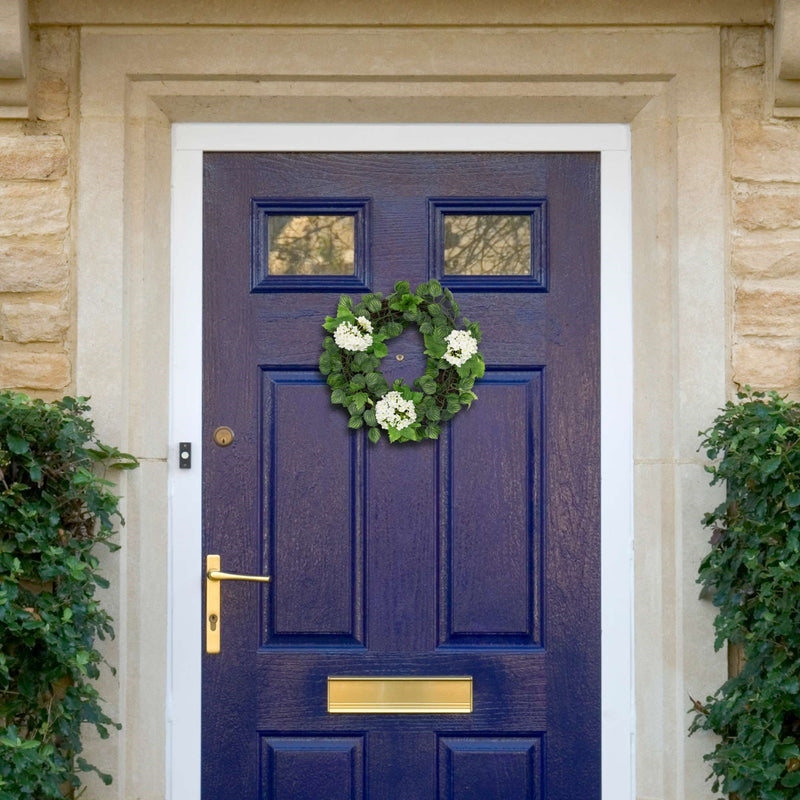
(461, 346)
(354, 336)
(395, 411)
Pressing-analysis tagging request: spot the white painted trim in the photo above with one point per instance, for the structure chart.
(616, 359)
(408, 137)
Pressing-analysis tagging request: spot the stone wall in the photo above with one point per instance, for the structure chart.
(36, 200)
(37, 180)
(764, 158)
(132, 84)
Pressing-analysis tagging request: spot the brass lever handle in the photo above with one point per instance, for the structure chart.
(216, 575)
(213, 598)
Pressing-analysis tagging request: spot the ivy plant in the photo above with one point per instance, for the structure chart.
(56, 506)
(753, 575)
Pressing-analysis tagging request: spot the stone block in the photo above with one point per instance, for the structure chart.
(765, 151)
(745, 47)
(34, 207)
(33, 265)
(745, 87)
(54, 49)
(50, 98)
(745, 92)
(766, 256)
(33, 322)
(766, 365)
(35, 158)
(766, 207)
(26, 369)
(767, 310)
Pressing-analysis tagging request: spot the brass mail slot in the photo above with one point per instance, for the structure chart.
(397, 695)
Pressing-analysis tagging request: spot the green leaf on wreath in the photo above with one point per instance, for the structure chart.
(427, 384)
(380, 349)
(435, 347)
(402, 287)
(441, 332)
(392, 329)
(374, 434)
(435, 288)
(355, 422)
(338, 396)
(369, 417)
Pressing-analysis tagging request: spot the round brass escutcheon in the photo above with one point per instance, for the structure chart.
(223, 436)
(399, 356)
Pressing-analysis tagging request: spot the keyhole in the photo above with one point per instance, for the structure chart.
(223, 436)
(212, 621)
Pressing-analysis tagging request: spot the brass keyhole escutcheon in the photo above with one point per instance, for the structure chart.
(223, 436)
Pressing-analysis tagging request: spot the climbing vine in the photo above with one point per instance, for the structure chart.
(55, 508)
(753, 574)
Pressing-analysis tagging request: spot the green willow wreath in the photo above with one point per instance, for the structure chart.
(352, 355)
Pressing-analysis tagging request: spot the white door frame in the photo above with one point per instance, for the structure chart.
(612, 141)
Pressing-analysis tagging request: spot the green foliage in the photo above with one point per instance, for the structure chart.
(355, 378)
(54, 509)
(753, 575)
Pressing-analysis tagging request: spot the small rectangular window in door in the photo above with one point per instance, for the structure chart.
(481, 245)
(309, 245)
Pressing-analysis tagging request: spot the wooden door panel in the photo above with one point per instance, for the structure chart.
(298, 768)
(490, 519)
(313, 515)
(489, 768)
(402, 554)
(510, 691)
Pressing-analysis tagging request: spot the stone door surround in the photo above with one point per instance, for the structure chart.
(663, 82)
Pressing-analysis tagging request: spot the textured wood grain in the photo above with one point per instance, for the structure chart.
(474, 555)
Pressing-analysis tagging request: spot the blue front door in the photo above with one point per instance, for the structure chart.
(475, 556)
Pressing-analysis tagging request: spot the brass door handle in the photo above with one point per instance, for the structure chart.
(216, 575)
(213, 598)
